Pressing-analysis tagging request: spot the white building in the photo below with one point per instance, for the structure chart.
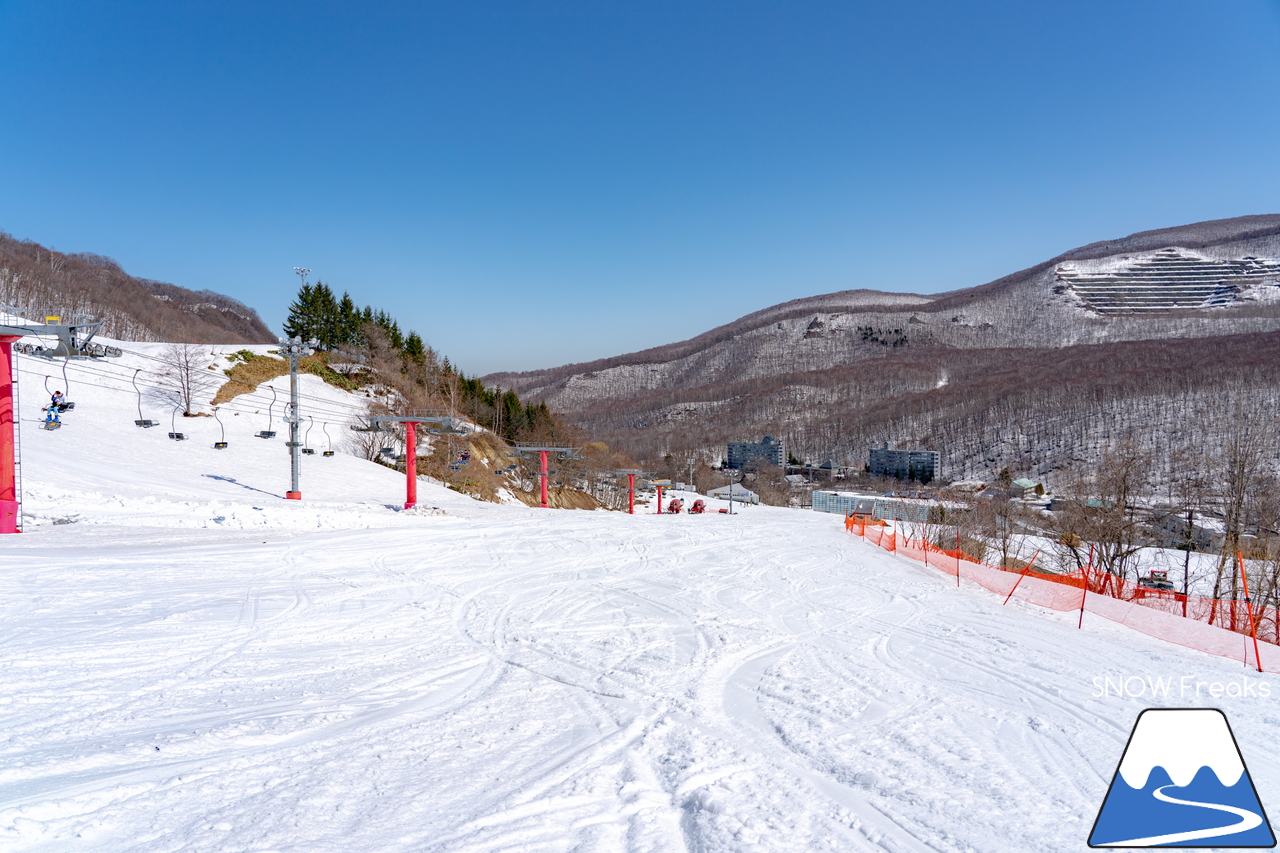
(740, 493)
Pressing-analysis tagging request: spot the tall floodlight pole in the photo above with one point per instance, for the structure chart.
(294, 348)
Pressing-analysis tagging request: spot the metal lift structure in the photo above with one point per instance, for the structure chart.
(526, 449)
(631, 486)
(444, 424)
(74, 341)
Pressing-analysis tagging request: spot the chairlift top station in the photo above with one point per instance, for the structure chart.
(74, 341)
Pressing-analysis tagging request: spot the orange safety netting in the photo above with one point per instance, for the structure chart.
(1217, 626)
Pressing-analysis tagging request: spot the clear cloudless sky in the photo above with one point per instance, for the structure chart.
(533, 183)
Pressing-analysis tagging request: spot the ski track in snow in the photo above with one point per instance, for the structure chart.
(501, 678)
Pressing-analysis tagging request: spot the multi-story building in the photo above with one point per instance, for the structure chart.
(746, 454)
(921, 465)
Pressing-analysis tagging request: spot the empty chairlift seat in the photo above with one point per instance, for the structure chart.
(173, 428)
(145, 423)
(269, 432)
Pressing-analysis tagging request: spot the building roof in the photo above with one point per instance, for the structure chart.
(1024, 483)
(738, 489)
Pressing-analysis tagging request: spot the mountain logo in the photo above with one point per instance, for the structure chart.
(1182, 783)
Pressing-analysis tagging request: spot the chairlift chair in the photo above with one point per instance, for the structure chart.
(64, 406)
(308, 450)
(145, 423)
(269, 432)
(66, 383)
(222, 444)
(173, 426)
(327, 441)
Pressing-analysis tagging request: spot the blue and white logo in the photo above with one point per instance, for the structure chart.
(1182, 783)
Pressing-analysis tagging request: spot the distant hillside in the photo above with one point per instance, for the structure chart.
(835, 373)
(134, 309)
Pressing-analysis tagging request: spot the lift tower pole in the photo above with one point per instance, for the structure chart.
(441, 424)
(631, 486)
(527, 448)
(294, 348)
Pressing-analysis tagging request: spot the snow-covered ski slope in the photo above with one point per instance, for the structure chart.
(196, 664)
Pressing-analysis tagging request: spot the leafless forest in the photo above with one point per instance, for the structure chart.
(44, 281)
(1014, 374)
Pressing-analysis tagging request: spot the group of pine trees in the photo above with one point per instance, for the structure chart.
(373, 338)
(319, 315)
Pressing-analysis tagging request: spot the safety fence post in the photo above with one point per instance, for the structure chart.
(1025, 569)
(1257, 657)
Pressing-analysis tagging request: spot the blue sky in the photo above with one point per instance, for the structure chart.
(529, 184)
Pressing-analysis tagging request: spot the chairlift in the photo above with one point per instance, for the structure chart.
(66, 383)
(173, 426)
(269, 432)
(145, 423)
(220, 445)
(387, 451)
(305, 438)
(367, 425)
(64, 406)
(328, 442)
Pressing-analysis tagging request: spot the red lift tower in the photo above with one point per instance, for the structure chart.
(631, 486)
(380, 423)
(74, 338)
(563, 451)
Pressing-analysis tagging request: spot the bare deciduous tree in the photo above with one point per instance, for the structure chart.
(1105, 512)
(185, 376)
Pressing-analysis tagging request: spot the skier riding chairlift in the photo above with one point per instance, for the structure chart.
(51, 420)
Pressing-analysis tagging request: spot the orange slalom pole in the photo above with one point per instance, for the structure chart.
(1249, 604)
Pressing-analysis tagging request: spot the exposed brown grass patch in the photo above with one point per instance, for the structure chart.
(245, 376)
(252, 370)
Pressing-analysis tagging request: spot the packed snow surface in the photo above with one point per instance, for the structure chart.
(193, 663)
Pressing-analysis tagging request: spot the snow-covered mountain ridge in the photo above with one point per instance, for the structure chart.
(844, 352)
(1034, 307)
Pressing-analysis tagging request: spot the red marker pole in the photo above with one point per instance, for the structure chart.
(1025, 569)
(631, 494)
(410, 465)
(543, 455)
(659, 488)
(8, 468)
